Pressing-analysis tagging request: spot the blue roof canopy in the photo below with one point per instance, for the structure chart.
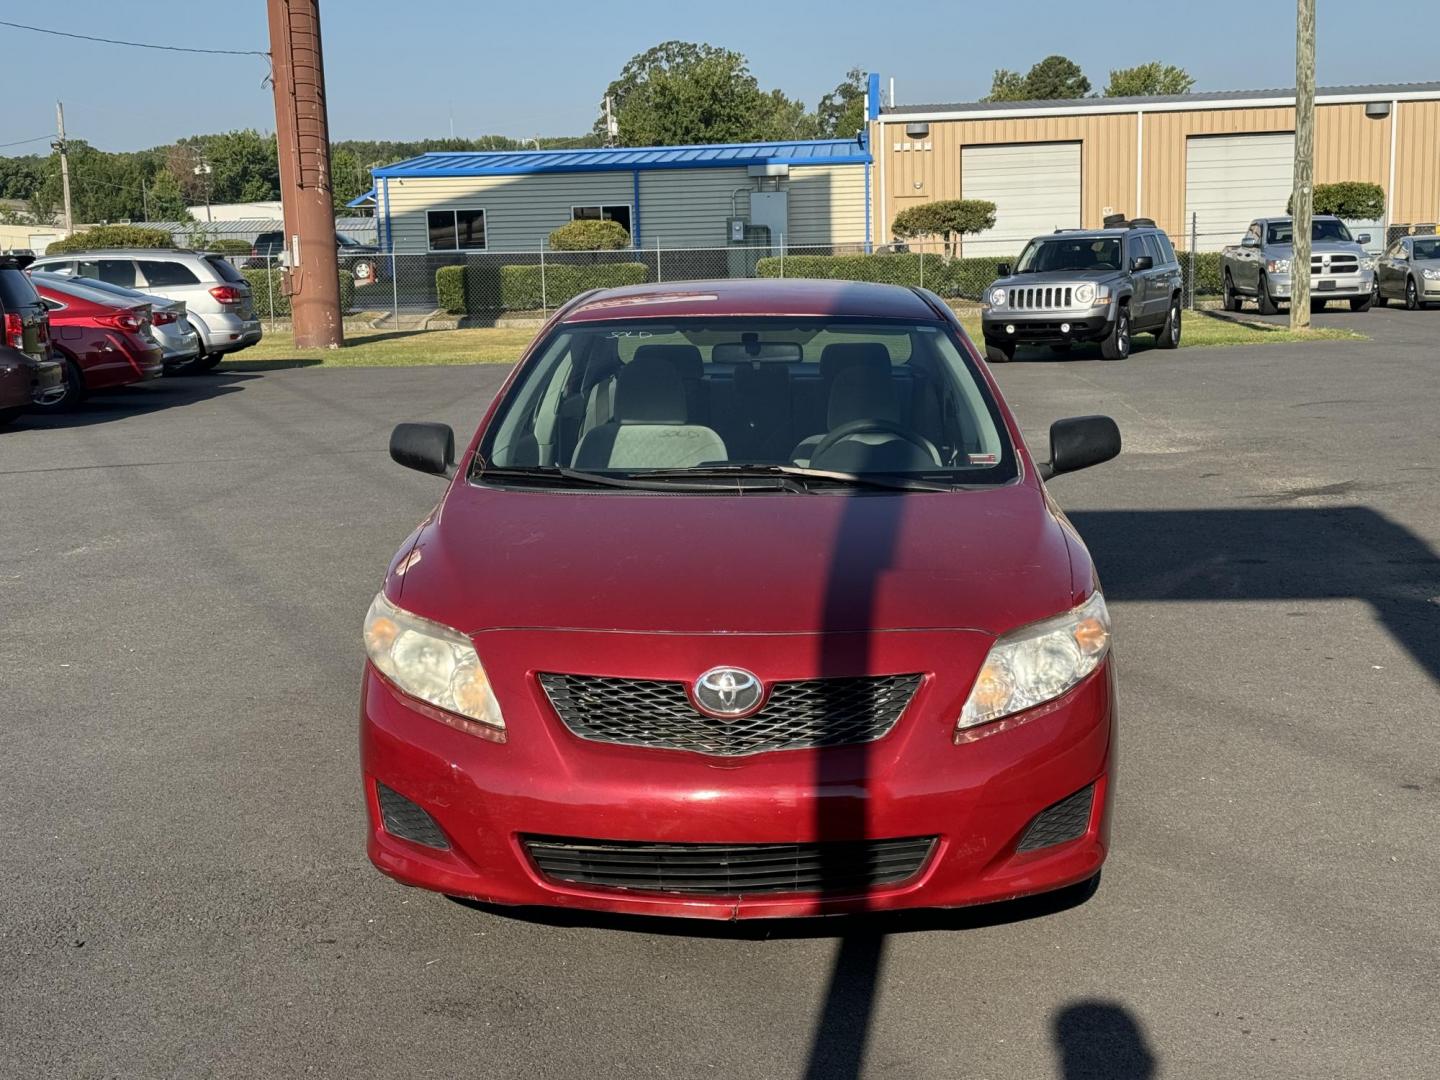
(628, 158)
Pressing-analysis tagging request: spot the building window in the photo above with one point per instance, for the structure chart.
(602, 213)
(456, 230)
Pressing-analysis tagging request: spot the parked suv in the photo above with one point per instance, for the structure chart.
(361, 260)
(1086, 285)
(28, 372)
(217, 296)
(1259, 266)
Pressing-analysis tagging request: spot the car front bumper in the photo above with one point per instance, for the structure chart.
(976, 797)
(1327, 286)
(1046, 327)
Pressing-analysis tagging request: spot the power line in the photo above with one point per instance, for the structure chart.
(135, 44)
(22, 142)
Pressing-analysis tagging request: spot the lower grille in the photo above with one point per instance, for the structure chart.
(836, 868)
(1066, 820)
(798, 715)
(407, 820)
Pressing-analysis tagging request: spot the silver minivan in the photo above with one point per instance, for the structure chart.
(217, 296)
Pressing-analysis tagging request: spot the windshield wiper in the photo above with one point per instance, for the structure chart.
(561, 476)
(801, 475)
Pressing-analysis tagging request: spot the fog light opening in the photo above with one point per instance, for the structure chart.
(1009, 328)
(407, 820)
(1064, 328)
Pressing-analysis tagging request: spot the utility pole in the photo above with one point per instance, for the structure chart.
(1303, 196)
(204, 170)
(144, 200)
(612, 129)
(59, 145)
(302, 133)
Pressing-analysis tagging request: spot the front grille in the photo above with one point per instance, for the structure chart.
(1338, 264)
(1041, 298)
(798, 715)
(1066, 820)
(833, 868)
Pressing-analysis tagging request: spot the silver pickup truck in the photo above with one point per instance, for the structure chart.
(1259, 266)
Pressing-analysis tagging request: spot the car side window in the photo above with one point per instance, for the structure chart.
(1254, 231)
(111, 271)
(1167, 252)
(162, 274)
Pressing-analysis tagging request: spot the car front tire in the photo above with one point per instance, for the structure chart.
(1168, 336)
(1362, 303)
(1412, 295)
(1117, 345)
(1262, 297)
(999, 354)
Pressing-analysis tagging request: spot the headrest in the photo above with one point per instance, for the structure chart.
(598, 370)
(648, 390)
(843, 354)
(685, 359)
(862, 392)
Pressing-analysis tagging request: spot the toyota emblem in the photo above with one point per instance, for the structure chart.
(728, 693)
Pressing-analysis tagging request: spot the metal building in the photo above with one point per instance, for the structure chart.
(799, 193)
(1220, 159)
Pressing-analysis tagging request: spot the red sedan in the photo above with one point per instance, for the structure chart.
(746, 599)
(104, 340)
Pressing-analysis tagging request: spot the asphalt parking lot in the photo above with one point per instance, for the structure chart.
(183, 570)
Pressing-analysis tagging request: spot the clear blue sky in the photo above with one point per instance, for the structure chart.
(396, 69)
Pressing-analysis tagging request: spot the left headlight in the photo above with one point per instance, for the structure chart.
(431, 662)
(1039, 662)
(1367, 262)
(997, 297)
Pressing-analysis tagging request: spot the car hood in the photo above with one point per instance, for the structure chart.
(1317, 247)
(492, 558)
(1052, 277)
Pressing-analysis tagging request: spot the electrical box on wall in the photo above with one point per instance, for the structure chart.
(736, 229)
(770, 209)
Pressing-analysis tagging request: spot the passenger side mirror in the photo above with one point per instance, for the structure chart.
(1363, 238)
(1079, 442)
(1141, 262)
(1002, 269)
(1250, 241)
(427, 448)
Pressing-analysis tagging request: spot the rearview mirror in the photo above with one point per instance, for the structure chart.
(427, 448)
(1003, 269)
(1141, 262)
(1079, 442)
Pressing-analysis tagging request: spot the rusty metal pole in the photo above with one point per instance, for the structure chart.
(302, 131)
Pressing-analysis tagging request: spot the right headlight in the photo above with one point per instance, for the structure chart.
(997, 297)
(1039, 662)
(431, 662)
(1084, 293)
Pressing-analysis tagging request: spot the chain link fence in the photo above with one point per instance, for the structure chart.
(476, 288)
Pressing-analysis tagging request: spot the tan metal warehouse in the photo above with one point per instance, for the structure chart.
(806, 192)
(1223, 158)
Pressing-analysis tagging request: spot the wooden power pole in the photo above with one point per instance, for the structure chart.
(1303, 197)
(64, 152)
(302, 131)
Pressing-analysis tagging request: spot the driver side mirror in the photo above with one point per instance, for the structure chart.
(1079, 442)
(1249, 241)
(1363, 238)
(1002, 269)
(1141, 262)
(427, 448)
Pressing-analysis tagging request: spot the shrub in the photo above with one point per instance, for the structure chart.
(228, 246)
(1349, 200)
(964, 278)
(948, 219)
(590, 236)
(1208, 278)
(450, 289)
(520, 286)
(112, 236)
(267, 285)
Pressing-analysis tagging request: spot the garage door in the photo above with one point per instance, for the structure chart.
(1230, 180)
(1035, 188)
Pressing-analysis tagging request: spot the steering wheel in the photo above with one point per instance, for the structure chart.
(873, 426)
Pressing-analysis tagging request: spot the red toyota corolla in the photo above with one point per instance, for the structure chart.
(103, 340)
(745, 599)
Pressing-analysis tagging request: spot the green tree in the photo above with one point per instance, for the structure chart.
(841, 112)
(1349, 200)
(243, 164)
(948, 219)
(1146, 80)
(680, 92)
(1053, 78)
(348, 180)
(165, 199)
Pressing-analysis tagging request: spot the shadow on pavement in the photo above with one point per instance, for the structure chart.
(1101, 1040)
(103, 406)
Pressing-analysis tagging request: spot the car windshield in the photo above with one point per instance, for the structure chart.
(1283, 232)
(755, 402)
(1426, 249)
(1070, 253)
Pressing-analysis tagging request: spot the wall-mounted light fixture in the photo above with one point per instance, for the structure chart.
(1377, 110)
(917, 131)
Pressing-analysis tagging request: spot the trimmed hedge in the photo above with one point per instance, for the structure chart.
(468, 290)
(589, 235)
(265, 284)
(111, 236)
(227, 246)
(964, 278)
(1208, 280)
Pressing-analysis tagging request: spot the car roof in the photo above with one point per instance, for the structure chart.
(129, 253)
(754, 296)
